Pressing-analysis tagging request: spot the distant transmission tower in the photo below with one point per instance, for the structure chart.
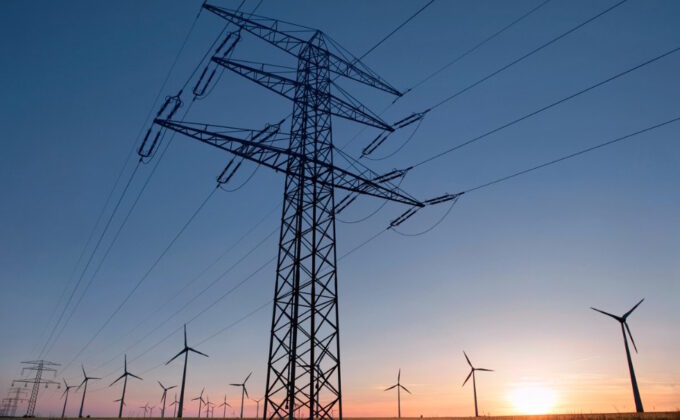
(304, 347)
(15, 395)
(39, 366)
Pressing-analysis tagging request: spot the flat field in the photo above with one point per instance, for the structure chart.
(591, 416)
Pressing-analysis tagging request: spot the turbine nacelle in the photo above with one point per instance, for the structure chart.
(623, 320)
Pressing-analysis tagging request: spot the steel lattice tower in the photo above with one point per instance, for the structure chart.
(304, 352)
(39, 366)
(10, 404)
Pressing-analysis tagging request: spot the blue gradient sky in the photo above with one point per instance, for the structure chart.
(508, 276)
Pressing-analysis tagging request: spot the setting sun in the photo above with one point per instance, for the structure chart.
(533, 399)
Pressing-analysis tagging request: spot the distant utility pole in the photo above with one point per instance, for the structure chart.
(39, 366)
(10, 404)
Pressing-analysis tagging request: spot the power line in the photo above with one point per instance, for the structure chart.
(205, 289)
(181, 291)
(120, 173)
(386, 37)
(113, 240)
(527, 55)
(549, 106)
(477, 46)
(82, 274)
(572, 155)
(449, 64)
(144, 187)
(146, 274)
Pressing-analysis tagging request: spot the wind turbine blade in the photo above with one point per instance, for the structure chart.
(168, 389)
(485, 370)
(94, 378)
(606, 313)
(185, 336)
(245, 390)
(176, 356)
(468, 378)
(632, 309)
(135, 376)
(125, 362)
(235, 384)
(83, 368)
(399, 376)
(404, 388)
(196, 399)
(630, 335)
(159, 383)
(202, 391)
(468, 359)
(392, 387)
(247, 377)
(196, 351)
(119, 378)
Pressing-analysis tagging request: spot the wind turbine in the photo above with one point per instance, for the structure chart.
(174, 405)
(86, 379)
(474, 383)
(200, 400)
(208, 406)
(225, 404)
(257, 410)
(624, 327)
(124, 377)
(244, 391)
(118, 400)
(186, 351)
(151, 411)
(67, 388)
(399, 387)
(165, 392)
(145, 407)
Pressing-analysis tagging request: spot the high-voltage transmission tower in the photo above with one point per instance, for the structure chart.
(10, 404)
(304, 348)
(39, 366)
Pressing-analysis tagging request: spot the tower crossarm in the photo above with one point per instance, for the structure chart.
(276, 158)
(271, 30)
(286, 88)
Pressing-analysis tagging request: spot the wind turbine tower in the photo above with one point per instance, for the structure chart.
(86, 380)
(174, 406)
(163, 398)
(200, 400)
(224, 404)
(399, 387)
(257, 409)
(624, 327)
(184, 351)
(244, 391)
(124, 377)
(67, 388)
(145, 407)
(474, 383)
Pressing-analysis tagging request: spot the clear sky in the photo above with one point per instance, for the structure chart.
(508, 276)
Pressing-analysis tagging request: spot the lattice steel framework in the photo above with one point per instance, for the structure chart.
(304, 352)
(39, 366)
